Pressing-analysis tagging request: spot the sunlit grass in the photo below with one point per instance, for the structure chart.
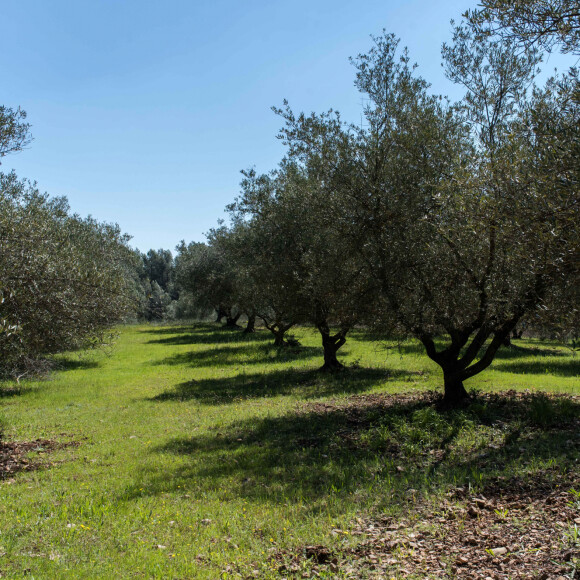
(198, 448)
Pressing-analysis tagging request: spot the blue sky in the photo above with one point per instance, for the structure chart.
(143, 113)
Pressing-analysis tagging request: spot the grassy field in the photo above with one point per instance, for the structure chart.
(199, 452)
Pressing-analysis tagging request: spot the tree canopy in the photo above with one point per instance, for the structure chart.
(64, 280)
(450, 223)
(14, 131)
(544, 23)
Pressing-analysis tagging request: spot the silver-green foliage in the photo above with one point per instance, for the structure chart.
(64, 280)
(545, 23)
(465, 215)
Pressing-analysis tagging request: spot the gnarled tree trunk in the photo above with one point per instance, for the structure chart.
(459, 361)
(330, 344)
(278, 329)
(251, 324)
(279, 332)
(232, 319)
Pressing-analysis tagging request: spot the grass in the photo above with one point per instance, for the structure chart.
(204, 450)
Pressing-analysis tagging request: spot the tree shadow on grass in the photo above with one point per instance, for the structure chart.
(206, 334)
(561, 368)
(178, 329)
(73, 364)
(518, 351)
(9, 391)
(240, 355)
(325, 453)
(13, 388)
(307, 384)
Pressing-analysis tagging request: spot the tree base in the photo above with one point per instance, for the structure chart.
(455, 394)
(447, 403)
(334, 367)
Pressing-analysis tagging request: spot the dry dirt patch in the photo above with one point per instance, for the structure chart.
(16, 456)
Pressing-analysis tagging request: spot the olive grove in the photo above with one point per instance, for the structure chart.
(448, 222)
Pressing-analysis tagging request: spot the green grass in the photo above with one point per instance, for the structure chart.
(202, 447)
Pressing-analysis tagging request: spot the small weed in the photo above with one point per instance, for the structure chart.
(575, 498)
(573, 536)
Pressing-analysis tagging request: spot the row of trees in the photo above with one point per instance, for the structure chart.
(448, 222)
(451, 223)
(64, 280)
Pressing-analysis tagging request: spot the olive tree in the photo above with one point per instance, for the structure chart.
(65, 280)
(205, 271)
(14, 131)
(300, 267)
(438, 202)
(266, 248)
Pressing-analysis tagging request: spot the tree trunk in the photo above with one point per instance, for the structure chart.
(250, 326)
(331, 346)
(455, 393)
(278, 329)
(279, 336)
(220, 314)
(232, 321)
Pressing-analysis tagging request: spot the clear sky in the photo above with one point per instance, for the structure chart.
(143, 113)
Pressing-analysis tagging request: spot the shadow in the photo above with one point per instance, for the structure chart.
(73, 364)
(517, 351)
(8, 392)
(161, 330)
(562, 368)
(308, 384)
(514, 351)
(241, 355)
(388, 348)
(382, 445)
(210, 335)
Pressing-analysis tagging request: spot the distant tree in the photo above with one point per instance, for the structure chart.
(266, 250)
(158, 267)
(14, 132)
(234, 244)
(158, 302)
(204, 270)
(155, 286)
(64, 280)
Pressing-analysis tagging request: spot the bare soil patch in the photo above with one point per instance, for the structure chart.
(17, 456)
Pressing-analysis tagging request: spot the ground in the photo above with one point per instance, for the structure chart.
(199, 452)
